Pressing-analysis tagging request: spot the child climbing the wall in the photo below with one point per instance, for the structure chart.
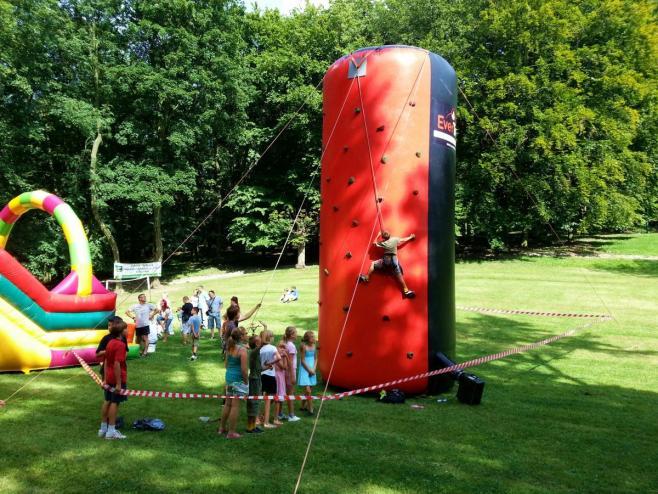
(280, 371)
(389, 261)
(308, 363)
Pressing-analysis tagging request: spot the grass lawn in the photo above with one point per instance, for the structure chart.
(638, 244)
(577, 416)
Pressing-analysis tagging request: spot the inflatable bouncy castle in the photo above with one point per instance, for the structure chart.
(389, 144)
(39, 327)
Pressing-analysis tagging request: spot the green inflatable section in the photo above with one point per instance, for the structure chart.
(51, 321)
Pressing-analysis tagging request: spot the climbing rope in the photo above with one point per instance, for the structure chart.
(30, 381)
(301, 206)
(372, 168)
(355, 288)
(222, 200)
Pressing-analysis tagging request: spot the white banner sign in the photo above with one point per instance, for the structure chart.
(124, 271)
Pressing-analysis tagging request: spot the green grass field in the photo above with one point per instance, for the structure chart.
(577, 416)
(636, 244)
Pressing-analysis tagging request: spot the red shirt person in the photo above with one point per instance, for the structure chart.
(116, 376)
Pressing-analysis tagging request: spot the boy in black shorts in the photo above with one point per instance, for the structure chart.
(116, 376)
(142, 313)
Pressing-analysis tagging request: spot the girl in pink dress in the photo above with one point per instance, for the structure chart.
(280, 370)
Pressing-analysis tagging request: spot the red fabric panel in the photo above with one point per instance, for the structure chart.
(49, 302)
(375, 350)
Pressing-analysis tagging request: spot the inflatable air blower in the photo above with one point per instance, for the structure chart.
(389, 163)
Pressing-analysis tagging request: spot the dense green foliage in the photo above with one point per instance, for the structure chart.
(143, 114)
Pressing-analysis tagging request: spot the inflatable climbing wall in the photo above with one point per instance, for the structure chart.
(388, 164)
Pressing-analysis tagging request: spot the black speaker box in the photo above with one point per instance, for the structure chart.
(470, 389)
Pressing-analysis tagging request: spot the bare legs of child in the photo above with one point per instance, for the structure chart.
(230, 418)
(266, 418)
(365, 278)
(307, 405)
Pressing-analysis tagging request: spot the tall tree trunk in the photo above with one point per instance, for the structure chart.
(107, 233)
(95, 211)
(301, 256)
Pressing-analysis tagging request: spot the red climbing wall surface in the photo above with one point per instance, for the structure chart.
(376, 129)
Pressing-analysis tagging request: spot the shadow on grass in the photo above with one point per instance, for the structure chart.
(631, 267)
(538, 430)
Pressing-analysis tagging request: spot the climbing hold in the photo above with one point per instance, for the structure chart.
(415, 192)
(336, 208)
(348, 254)
(346, 308)
(345, 149)
(328, 179)
(355, 223)
(412, 103)
(326, 271)
(380, 199)
(351, 180)
(418, 154)
(384, 159)
(386, 318)
(349, 354)
(380, 128)
(410, 355)
(319, 303)
(357, 110)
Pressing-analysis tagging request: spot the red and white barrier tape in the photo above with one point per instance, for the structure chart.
(533, 313)
(344, 394)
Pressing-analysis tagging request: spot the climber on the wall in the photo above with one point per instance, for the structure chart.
(389, 261)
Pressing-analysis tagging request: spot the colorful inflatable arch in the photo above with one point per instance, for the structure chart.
(389, 162)
(38, 327)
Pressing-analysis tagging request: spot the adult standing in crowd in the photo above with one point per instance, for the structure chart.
(214, 313)
(202, 304)
(142, 313)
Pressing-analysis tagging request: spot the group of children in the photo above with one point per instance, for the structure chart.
(263, 368)
(269, 370)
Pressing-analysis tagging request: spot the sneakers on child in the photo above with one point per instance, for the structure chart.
(102, 432)
(293, 418)
(114, 435)
(282, 417)
(193, 357)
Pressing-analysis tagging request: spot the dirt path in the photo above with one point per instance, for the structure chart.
(195, 279)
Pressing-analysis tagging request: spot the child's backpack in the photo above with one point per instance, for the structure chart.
(149, 424)
(392, 396)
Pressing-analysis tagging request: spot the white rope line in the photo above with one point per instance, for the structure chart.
(356, 285)
(308, 189)
(23, 386)
(222, 200)
(333, 362)
(372, 168)
(536, 204)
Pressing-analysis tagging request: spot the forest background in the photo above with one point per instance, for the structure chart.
(143, 114)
